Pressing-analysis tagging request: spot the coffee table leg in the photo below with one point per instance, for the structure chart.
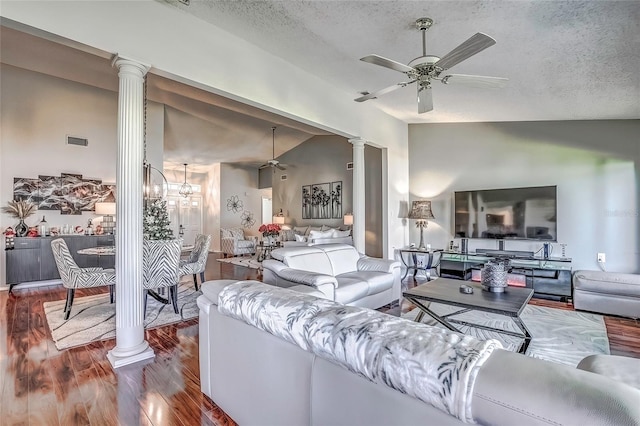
(424, 309)
(527, 335)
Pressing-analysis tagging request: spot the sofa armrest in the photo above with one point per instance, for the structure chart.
(378, 265)
(298, 275)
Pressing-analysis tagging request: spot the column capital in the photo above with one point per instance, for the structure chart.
(121, 62)
(357, 141)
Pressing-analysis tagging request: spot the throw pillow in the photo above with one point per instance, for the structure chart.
(313, 228)
(326, 228)
(341, 234)
(300, 230)
(287, 235)
(300, 238)
(315, 235)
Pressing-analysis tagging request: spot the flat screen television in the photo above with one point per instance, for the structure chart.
(512, 213)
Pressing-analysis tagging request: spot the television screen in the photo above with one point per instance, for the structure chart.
(513, 213)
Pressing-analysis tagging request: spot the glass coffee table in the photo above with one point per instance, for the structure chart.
(511, 303)
(264, 250)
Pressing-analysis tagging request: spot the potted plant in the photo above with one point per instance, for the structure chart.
(270, 232)
(20, 209)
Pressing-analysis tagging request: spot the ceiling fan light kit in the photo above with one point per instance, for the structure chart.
(427, 68)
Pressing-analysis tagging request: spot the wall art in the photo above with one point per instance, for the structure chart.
(336, 199)
(306, 202)
(234, 204)
(247, 220)
(68, 193)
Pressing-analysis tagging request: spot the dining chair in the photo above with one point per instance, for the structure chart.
(74, 277)
(161, 269)
(197, 261)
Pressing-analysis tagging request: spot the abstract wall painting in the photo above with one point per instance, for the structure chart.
(68, 193)
(322, 201)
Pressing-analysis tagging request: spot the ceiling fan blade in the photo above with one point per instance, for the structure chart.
(279, 166)
(387, 63)
(476, 81)
(475, 44)
(383, 91)
(264, 166)
(425, 99)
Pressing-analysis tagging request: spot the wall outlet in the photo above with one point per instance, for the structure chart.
(602, 258)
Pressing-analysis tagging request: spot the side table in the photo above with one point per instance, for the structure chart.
(416, 264)
(264, 250)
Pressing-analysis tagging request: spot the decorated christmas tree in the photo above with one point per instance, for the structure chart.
(155, 225)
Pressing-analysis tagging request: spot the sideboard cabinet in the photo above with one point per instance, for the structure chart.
(32, 258)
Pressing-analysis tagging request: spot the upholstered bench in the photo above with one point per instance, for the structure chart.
(611, 293)
(620, 368)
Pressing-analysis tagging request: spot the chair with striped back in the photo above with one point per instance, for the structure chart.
(74, 277)
(197, 261)
(161, 269)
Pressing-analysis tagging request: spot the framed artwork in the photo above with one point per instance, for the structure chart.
(336, 199)
(321, 201)
(68, 193)
(306, 202)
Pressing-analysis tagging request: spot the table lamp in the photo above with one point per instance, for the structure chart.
(348, 219)
(421, 212)
(107, 210)
(279, 218)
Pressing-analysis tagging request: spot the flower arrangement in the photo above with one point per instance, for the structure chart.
(155, 221)
(20, 209)
(270, 229)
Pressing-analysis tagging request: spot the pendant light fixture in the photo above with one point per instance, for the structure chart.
(185, 189)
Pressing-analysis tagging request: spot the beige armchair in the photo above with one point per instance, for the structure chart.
(233, 242)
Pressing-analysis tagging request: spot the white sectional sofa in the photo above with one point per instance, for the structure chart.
(338, 271)
(273, 356)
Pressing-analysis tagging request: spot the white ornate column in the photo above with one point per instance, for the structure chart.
(358, 194)
(130, 344)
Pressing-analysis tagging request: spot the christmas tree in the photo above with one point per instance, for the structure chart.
(155, 221)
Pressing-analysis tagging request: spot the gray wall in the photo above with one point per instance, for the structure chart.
(593, 163)
(324, 159)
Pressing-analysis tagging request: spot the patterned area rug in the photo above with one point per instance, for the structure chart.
(560, 336)
(247, 262)
(93, 317)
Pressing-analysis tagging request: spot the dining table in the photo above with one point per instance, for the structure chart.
(111, 251)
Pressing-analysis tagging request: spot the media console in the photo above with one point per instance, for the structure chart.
(549, 278)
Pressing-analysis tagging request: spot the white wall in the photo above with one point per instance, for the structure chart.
(225, 64)
(243, 183)
(38, 112)
(593, 163)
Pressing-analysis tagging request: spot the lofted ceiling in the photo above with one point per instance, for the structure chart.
(565, 59)
(201, 128)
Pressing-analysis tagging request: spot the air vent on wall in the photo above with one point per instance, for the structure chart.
(350, 166)
(283, 177)
(77, 141)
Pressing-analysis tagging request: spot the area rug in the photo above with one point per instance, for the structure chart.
(247, 262)
(93, 317)
(561, 336)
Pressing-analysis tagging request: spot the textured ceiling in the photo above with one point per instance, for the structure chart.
(565, 60)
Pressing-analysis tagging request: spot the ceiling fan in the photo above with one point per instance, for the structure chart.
(273, 162)
(426, 68)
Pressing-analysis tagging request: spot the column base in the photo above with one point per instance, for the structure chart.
(119, 358)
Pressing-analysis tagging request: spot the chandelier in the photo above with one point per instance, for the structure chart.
(185, 189)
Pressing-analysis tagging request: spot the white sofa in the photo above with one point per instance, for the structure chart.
(338, 271)
(612, 293)
(311, 235)
(272, 356)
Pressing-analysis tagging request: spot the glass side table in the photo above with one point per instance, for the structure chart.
(264, 250)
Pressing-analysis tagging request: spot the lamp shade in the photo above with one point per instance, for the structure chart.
(106, 208)
(278, 219)
(348, 219)
(421, 210)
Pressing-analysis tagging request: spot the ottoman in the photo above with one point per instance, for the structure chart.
(612, 293)
(620, 368)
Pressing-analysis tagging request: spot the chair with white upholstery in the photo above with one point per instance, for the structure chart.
(161, 269)
(74, 277)
(233, 242)
(197, 261)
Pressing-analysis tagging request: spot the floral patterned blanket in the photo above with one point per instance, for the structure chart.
(429, 363)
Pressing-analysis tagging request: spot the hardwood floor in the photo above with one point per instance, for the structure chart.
(43, 386)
